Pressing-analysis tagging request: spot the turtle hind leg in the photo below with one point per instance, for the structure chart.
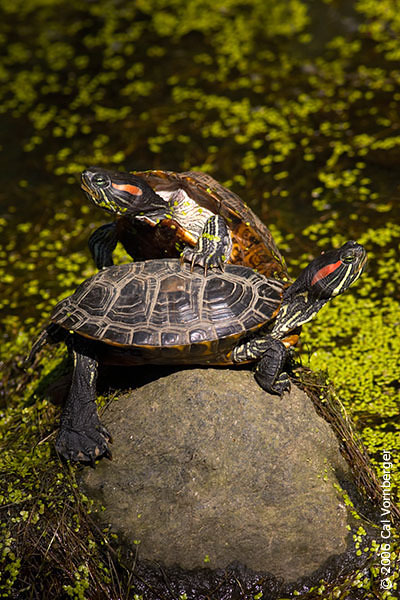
(81, 436)
(213, 247)
(102, 244)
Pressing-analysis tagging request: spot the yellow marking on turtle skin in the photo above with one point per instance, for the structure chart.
(91, 192)
(92, 377)
(343, 281)
(104, 202)
(230, 360)
(251, 355)
(287, 325)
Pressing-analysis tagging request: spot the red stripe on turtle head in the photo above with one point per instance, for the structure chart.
(131, 189)
(325, 271)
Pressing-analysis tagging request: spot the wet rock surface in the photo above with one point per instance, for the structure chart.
(210, 473)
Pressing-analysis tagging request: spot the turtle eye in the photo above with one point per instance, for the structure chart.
(348, 259)
(100, 180)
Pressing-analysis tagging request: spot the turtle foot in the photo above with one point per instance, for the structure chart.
(214, 260)
(280, 385)
(270, 372)
(83, 445)
(213, 246)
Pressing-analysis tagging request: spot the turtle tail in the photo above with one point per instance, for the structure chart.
(52, 334)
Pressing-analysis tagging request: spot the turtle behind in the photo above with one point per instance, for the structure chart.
(168, 214)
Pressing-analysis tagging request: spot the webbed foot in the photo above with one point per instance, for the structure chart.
(207, 261)
(83, 445)
(279, 386)
(270, 372)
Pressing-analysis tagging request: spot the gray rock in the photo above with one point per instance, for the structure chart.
(208, 470)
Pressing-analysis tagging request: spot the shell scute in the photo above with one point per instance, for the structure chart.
(227, 329)
(143, 338)
(170, 338)
(159, 304)
(116, 334)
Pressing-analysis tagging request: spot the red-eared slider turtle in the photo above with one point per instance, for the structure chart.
(160, 312)
(162, 214)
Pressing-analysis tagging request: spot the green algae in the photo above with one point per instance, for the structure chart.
(305, 129)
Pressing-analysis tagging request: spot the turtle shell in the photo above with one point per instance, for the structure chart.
(253, 245)
(168, 313)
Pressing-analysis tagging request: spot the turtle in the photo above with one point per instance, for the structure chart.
(162, 312)
(163, 214)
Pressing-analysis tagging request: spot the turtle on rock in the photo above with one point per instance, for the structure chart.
(163, 312)
(163, 214)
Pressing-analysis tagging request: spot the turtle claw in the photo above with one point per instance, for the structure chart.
(196, 258)
(108, 454)
(84, 446)
(279, 386)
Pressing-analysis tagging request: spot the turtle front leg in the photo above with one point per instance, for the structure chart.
(81, 436)
(213, 247)
(269, 372)
(102, 244)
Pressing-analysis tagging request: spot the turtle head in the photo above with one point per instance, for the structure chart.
(121, 193)
(325, 277)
